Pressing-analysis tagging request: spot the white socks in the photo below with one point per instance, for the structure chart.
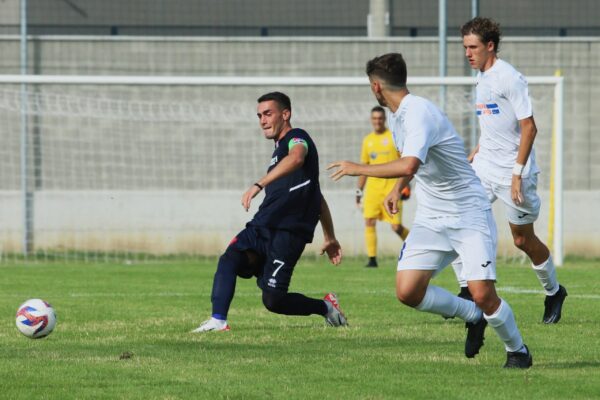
(546, 274)
(503, 322)
(442, 302)
(457, 267)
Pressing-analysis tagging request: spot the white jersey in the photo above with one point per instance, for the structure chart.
(502, 100)
(446, 183)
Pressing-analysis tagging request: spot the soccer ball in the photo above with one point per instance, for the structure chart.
(35, 319)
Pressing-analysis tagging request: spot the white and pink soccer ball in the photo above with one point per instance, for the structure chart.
(35, 319)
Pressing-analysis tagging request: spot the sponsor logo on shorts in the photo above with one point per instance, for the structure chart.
(522, 216)
(486, 264)
(272, 282)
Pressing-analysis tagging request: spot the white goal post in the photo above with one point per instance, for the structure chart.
(24, 82)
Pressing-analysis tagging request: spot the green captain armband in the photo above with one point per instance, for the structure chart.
(295, 141)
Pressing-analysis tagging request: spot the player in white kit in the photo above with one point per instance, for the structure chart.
(453, 213)
(504, 160)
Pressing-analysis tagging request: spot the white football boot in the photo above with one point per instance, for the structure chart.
(212, 324)
(335, 316)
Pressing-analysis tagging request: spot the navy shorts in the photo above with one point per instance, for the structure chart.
(278, 252)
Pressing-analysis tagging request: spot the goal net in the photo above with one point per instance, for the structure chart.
(134, 168)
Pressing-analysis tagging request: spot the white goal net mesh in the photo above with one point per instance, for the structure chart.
(138, 171)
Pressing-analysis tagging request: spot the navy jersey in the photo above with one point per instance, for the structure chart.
(293, 202)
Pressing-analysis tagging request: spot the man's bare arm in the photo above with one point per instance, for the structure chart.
(293, 161)
(290, 163)
(528, 133)
(405, 166)
(390, 203)
(330, 246)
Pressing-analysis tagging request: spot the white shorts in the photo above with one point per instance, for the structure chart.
(433, 243)
(523, 214)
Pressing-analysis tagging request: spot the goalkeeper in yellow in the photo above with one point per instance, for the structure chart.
(378, 148)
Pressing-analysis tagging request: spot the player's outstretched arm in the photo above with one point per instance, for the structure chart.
(405, 166)
(528, 133)
(289, 163)
(330, 246)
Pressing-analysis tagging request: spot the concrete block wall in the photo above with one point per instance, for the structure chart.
(578, 60)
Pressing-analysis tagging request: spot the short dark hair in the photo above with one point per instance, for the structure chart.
(281, 99)
(390, 67)
(378, 109)
(487, 30)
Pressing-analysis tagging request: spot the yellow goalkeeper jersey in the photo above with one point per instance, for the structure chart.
(379, 148)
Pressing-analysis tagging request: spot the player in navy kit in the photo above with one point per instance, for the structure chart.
(273, 241)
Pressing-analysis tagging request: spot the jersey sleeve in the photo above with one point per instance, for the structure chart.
(419, 135)
(364, 152)
(298, 137)
(517, 94)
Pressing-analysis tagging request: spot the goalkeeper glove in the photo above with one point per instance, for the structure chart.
(359, 194)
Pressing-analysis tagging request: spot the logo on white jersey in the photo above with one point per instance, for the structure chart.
(487, 108)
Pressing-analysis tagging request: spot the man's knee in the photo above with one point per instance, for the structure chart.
(485, 298)
(411, 286)
(272, 300)
(521, 241)
(237, 261)
(410, 296)
(524, 237)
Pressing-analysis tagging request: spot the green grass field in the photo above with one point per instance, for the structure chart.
(389, 350)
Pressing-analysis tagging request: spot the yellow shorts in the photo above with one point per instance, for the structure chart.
(373, 208)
